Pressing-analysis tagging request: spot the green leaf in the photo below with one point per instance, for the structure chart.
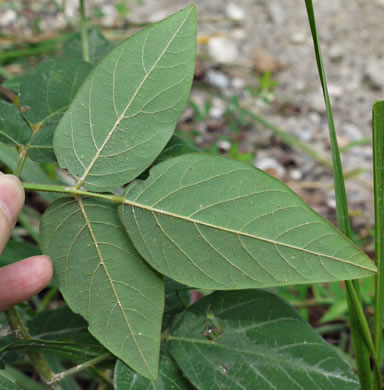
(170, 377)
(56, 324)
(254, 340)
(98, 46)
(6, 384)
(127, 109)
(211, 222)
(46, 92)
(16, 250)
(78, 353)
(14, 130)
(103, 278)
(176, 146)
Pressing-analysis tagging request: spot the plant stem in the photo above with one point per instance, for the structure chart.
(84, 32)
(22, 156)
(90, 363)
(15, 321)
(357, 317)
(21, 332)
(378, 172)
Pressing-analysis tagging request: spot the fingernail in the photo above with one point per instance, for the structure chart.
(11, 197)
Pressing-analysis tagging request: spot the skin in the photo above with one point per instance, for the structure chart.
(21, 280)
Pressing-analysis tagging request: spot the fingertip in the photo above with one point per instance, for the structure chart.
(12, 197)
(22, 280)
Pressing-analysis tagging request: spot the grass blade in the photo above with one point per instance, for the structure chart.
(358, 320)
(378, 171)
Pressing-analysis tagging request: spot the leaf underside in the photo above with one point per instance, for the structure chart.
(14, 130)
(46, 91)
(254, 340)
(127, 109)
(211, 222)
(102, 277)
(170, 377)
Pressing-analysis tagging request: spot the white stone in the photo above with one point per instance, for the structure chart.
(295, 174)
(224, 145)
(374, 72)
(235, 12)
(238, 83)
(223, 50)
(270, 163)
(8, 16)
(276, 12)
(217, 79)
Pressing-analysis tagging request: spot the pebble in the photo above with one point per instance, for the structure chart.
(234, 12)
(224, 145)
(110, 15)
(335, 90)
(375, 74)
(8, 16)
(276, 12)
(351, 131)
(238, 83)
(295, 174)
(217, 79)
(223, 50)
(271, 166)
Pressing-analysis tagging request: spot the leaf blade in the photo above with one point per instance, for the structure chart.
(47, 91)
(228, 225)
(254, 339)
(147, 78)
(102, 278)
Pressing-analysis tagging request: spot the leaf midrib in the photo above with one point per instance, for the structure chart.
(239, 233)
(81, 181)
(100, 256)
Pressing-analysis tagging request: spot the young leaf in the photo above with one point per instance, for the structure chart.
(46, 92)
(170, 377)
(14, 130)
(6, 384)
(78, 353)
(254, 340)
(56, 324)
(127, 109)
(103, 278)
(98, 46)
(211, 222)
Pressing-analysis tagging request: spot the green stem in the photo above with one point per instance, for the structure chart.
(15, 321)
(90, 363)
(84, 32)
(357, 316)
(21, 332)
(21, 158)
(378, 172)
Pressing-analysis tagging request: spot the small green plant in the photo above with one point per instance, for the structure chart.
(128, 243)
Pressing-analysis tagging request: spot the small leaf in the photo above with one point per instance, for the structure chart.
(78, 353)
(16, 250)
(103, 278)
(211, 222)
(127, 109)
(254, 340)
(170, 377)
(46, 92)
(56, 324)
(98, 46)
(14, 130)
(6, 384)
